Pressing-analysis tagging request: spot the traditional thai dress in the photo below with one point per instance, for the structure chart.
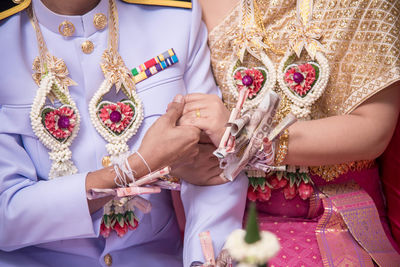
(339, 224)
(390, 172)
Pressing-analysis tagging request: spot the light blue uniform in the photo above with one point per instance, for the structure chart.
(47, 222)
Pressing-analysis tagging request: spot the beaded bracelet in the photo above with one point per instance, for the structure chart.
(282, 148)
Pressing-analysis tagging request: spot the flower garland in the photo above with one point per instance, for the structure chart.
(56, 128)
(304, 83)
(290, 184)
(249, 38)
(116, 123)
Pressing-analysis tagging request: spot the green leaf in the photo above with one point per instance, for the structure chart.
(292, 179)
(316, 73)
(106, 220)
(129, 218)
(298, 179)
(257, 182)
(289, 61)
(252, 230)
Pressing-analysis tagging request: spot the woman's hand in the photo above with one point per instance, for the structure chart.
(206, 112)
(165, 143)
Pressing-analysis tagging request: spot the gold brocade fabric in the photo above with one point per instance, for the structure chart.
(362, 37)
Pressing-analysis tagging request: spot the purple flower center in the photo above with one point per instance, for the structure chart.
(115, 116)
(247, 80)
(63, 122)
(298, 77)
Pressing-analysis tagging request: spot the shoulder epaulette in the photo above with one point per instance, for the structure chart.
(173, 3)
(11, 7)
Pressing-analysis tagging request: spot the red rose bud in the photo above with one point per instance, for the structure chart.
(251, 195)
(264, 195)
(282, 183)
(134, 226)
(104, 231)
(289, 191)
(121, 231)
(305, 190)
(274, 182)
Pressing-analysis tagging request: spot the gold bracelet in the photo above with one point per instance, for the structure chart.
(283, 147)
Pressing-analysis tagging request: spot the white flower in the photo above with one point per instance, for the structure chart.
(246, 265)
(257, 253)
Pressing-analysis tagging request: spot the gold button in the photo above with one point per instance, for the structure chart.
(106, 161)
(100, 21)
(108, 259)
(66, 28)
(87, 47)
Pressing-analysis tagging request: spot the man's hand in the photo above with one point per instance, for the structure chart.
(165, 143)
(203, 169)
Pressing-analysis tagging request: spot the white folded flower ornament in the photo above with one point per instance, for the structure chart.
(250, 247)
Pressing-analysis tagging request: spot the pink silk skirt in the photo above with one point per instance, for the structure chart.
(289, 220)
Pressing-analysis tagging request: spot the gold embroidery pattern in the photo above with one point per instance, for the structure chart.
(362, 38)
(331, 172)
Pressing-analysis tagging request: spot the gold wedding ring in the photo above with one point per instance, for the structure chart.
(198, 115)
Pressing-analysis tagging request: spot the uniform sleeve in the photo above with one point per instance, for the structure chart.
(218, 209)
(36, 211)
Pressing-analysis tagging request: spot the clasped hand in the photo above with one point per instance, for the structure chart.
(185, 137)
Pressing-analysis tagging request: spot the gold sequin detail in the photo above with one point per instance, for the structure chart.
(364, 54)
(282, 148)
(332, 172)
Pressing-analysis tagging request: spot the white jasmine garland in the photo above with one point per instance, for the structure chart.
(59, 153)
(117, 144)
(301, 106)
(269, 83)
(254, 254)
